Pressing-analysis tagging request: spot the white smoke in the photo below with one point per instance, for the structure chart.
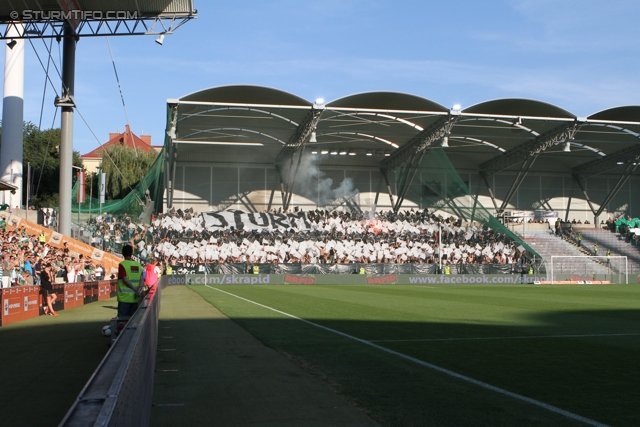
(371, 214)
(312, 183)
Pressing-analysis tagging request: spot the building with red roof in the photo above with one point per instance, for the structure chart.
(93, 159)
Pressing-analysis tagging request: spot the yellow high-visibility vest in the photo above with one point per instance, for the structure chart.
(134, 273)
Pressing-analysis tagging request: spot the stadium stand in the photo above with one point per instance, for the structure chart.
(548, 245)
(617, 242)
(22, 253)
(216, 242)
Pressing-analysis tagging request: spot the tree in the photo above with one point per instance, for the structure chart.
(41, 151)
(125, 167)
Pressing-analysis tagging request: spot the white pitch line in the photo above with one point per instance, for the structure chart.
(535, 402)
(510, 338)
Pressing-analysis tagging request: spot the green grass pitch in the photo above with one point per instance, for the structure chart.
(395, 350)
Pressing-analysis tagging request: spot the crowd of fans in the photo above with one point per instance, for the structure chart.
(23, 258)
(188, 238)
(629, 228)
(184, 238)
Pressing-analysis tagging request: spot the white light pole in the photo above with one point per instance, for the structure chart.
(11, 154)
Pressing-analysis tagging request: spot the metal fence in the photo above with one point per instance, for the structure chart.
(120, 391)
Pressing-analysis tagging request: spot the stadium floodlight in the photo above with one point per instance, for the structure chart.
(314, 151)
(343, 153)
(456, 107)
(333, 153)
(369, 153)
(351, 153)
(445, 142)
(324, 152)
(160, 39)
(320, 101)
(567, 147)
(313, 137)
(11, 44)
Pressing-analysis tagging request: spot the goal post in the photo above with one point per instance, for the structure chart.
(588, 269)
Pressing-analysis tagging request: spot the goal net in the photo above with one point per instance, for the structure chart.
(588, 269)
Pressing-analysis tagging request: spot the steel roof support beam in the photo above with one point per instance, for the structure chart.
(171, 174)
(412, 151)
(628, 156)
(386, 180)
(631, 167)
(348, 201)
(493, 197)
(586, 195)
(130, 25)
(527, 153)
(521, 153)
(286, 155)
(301, 135)
(454, 208)
(607, 163)
(566, 215)
(616, 188)
(292, 179)
(171, 155)
(522, 174)
(419, 143)
(473, 211)
(406, 178)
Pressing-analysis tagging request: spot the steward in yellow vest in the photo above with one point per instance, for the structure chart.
(362, 270)
(130, 283)
(446, 269)
(256, 269)
(42, 238)
(169, 270)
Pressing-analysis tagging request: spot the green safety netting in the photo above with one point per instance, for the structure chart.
(143, 200)
(438, 186)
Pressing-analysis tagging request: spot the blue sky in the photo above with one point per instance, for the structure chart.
(582, 55)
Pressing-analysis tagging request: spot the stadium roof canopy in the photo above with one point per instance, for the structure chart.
(7, 186)
(246, 124)
(46, 18)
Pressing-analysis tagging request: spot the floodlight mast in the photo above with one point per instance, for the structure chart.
(11, 159)
(66, 129)
(65, 25)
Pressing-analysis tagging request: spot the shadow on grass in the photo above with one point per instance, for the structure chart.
(579, 361)
(46, 361)
(573, 363)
